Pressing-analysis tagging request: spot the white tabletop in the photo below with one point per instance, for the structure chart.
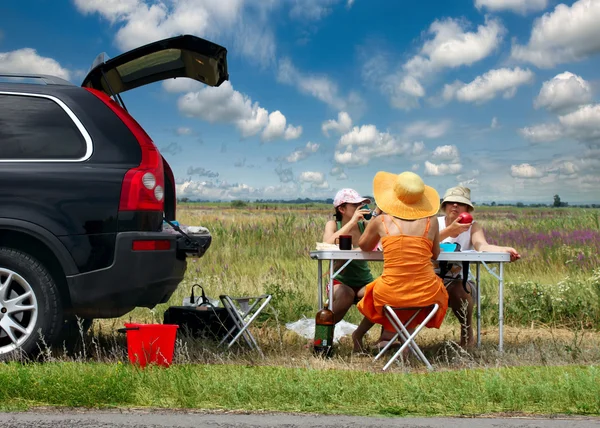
(467, 256)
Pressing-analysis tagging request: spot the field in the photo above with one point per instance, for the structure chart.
(552, 295)
(552, 342)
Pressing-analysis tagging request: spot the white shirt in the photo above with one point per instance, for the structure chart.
(464, 240)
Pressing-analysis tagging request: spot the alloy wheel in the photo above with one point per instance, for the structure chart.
(18, 310)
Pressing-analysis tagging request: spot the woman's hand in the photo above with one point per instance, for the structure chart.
(359, 215)
(514, 255)
(455, 228)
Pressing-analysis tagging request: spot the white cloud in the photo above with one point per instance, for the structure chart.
(542, 133)
(276, 128)
(222, 190)
(417, 148)
(582, 125)
(452, 46)
(315, 179)
(361, 144)
(427, 129)
(27, 60)
(312, 10)
(518, 6)
(183, 131)
(341, 126)
(487, 86)
(494, 124)
(448, 153)
(225, 104)
(569, 33)
(442, 169)
(526, 170)
(338, 172)
(240, 23)
(321, 87)
(302, 153)
(312, 177)
(183, 84)
(562, 92)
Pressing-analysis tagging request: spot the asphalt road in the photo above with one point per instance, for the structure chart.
(176, 419)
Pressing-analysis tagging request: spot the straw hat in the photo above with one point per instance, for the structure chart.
(458, 194)
(405, 195)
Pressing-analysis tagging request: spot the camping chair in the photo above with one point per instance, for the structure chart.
(402, 332)
(243, 314)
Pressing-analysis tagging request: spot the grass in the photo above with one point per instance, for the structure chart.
(552, 342)
(529, 390)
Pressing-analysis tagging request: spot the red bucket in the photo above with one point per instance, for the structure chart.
(151, 343)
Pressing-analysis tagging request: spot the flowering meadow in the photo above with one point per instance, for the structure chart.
(265, 248)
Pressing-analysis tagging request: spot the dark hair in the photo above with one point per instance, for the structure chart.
(338, 214)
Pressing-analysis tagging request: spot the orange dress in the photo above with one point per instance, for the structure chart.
(408, 280)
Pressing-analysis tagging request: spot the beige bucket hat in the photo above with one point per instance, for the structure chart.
(458, 194)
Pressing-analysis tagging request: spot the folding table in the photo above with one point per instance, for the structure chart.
(478, 258)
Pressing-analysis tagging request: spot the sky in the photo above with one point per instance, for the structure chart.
(501, 96)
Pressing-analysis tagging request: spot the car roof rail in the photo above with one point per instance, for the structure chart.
(43, 78)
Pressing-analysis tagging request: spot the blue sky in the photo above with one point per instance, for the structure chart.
(498, 95)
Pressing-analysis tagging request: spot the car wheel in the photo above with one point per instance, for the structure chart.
(30, 306)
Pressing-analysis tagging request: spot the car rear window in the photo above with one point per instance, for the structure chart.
(33, 127)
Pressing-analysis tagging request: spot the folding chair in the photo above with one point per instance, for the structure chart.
(242, 314)
(402, 332)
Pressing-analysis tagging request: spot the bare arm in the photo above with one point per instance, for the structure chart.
(370, 236)
(453, 229)
(330, 234)
(436, 237)
(480, 243)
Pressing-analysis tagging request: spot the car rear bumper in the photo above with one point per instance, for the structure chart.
(135, 278)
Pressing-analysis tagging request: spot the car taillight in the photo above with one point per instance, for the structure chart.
(151, 245)
(143, 186)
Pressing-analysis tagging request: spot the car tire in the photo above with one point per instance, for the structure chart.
(31, 312)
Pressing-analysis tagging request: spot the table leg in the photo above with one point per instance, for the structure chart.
(331, 286)
(478, 306)
(320, 282)
(501, 309)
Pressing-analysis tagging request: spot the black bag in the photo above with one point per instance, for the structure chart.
(204, 321)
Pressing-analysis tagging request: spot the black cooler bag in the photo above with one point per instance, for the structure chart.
(203, 322)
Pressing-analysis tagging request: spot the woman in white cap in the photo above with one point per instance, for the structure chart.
(409, 234)
(457, 200)
(348, 286)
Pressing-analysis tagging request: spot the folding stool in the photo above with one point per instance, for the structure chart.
(242, 314)
(402, 332)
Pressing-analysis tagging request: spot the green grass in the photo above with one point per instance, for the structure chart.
(552, 344)
(535, 390)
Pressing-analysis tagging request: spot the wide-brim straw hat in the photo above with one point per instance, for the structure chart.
(405, 195)
(459, 194)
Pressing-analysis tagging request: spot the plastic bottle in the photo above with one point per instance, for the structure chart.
(324, 326)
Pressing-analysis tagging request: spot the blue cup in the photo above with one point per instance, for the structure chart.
(448, 247)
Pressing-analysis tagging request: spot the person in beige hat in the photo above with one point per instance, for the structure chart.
(409, 234)
(469, 236)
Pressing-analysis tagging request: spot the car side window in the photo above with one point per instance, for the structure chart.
(33, 127)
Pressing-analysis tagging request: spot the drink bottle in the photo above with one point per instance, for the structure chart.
(324, 325)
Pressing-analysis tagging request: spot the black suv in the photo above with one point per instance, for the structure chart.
(85, 194)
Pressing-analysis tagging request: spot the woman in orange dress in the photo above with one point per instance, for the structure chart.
(409, 234)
